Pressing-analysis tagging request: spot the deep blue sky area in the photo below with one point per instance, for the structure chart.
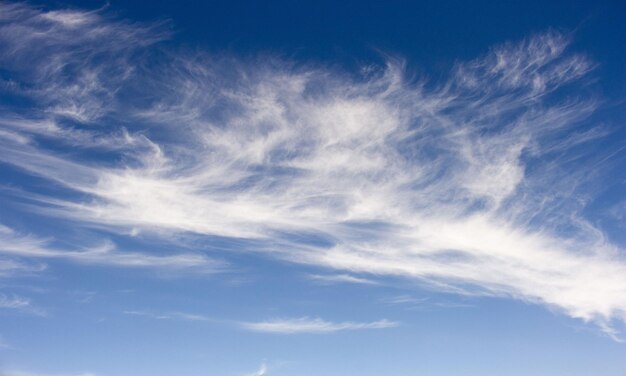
(312, 188)
(429, 34)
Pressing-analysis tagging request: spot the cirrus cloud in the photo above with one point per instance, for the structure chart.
(475, 184)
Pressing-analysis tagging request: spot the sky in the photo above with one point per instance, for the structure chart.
(312, 188)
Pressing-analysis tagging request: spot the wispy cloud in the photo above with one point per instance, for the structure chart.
(11, 268)
(414, 303)
(475, 184)
(19, 303)
(27, 246)
(300, 325)
(13, 302)
(313, 325)
(404, 299)
(172, 316)
(340, 278)
(262, 371)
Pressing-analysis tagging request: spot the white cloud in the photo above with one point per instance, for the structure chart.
(21, 304)
(171, 316)
(299, 325)
(405, 299)
(262, 371)
(341, 278)
(11, 268)
(312, 325)
(27, 246)
(14, 302)
(475, 184)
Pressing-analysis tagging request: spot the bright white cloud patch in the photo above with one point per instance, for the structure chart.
(466, 184)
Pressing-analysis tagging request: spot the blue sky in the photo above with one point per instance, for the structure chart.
(361, 188)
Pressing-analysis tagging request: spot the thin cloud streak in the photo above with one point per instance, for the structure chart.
(313, 325)
(14, 302)
(475, 184)
(340, 278)
(20, 245)
(20, 304)
(172, 316)
(301, 325)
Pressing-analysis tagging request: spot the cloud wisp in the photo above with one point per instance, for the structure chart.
(13, 302)
(21, 304)
(312, 325)
(475, 184)
(300, 325)
(171, 316)
(20, 245)
(262, 371)
(340, 278)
